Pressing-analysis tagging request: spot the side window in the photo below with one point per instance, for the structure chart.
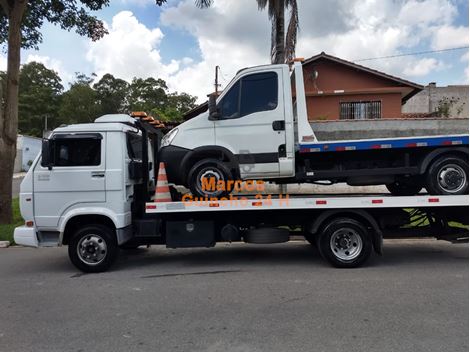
(134, 146)
(258, 93)
(253, 93)
(229, 106)
(77, 152)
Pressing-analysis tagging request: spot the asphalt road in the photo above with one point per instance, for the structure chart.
(238, 298)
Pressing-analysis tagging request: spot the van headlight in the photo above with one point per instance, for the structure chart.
(168, 138)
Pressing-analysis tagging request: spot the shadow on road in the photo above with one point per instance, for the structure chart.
(295, 254)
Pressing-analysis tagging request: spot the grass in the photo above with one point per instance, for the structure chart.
(6, 231)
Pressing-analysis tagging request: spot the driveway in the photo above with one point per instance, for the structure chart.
(237, 297)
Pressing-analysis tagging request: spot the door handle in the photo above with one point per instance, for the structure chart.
(97, 174)
(279, 125)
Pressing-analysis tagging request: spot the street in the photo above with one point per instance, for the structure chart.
(237, 297)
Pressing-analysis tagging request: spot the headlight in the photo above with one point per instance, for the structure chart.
(169, 137)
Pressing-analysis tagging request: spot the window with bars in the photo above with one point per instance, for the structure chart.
(359, 110)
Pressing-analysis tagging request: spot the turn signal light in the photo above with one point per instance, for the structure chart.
(29, 223)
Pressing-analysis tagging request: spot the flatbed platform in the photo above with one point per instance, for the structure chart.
(293, 202)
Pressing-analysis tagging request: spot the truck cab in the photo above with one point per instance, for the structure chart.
(86, 169)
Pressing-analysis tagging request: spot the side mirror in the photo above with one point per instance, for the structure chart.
(46, 154)
(214, 113)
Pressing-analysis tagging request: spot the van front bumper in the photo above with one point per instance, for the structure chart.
(26, 236)
(173, 157)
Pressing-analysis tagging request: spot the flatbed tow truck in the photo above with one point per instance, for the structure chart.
(92, 187)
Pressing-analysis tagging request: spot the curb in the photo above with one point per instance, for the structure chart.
(4, 244)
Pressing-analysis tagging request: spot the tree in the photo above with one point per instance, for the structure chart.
(39, 98)
(80, 103)
(112, 94)
(20, 24)
(282, 44)
(147, 94)
(176, 105)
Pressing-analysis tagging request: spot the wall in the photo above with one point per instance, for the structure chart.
(323, 98)
(387, 128)
(27, 148)
(327, 107)
(431, 97)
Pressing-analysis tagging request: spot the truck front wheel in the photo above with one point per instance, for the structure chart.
(345, 243)
(93, 248)
(448, 175)
(209, 178)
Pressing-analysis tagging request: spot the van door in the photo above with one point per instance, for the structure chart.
(77, 177)
(252, 123)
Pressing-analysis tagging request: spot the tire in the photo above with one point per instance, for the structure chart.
(405, 186)
(345, 243)
(448, 174)
(209, 168)
(93, 248)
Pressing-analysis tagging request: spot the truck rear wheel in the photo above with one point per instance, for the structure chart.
(448, 175)
(405, 186)
(345, 243)
(204, 176)
(93, 248)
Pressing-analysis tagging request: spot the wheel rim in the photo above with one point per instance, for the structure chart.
(452, 178)
(346, 244)
(208, 173)
(92, 249)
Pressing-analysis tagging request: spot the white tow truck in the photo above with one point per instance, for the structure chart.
(91, 188)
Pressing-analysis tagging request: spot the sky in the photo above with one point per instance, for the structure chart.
(182, 44)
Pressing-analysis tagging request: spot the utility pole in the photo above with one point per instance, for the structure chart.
(216, 83)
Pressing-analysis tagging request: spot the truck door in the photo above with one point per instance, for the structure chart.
(77, 176)
(252, 123)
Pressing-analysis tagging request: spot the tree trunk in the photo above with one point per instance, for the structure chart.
(279, 35)
(9, 118)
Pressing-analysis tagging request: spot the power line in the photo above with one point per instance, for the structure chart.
(410, 54)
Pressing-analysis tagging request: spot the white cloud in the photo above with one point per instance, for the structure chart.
(450, 37)
(130, 49)
(235, 34)
(423, 67)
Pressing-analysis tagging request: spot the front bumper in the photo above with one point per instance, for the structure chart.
(26, 236)
(173, 157)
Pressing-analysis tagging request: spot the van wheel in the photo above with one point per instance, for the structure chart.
(448, 175)
(204, 176)
(345, 243)
(405, 186)
(93, 248)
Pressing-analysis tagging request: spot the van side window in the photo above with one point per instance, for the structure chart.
(229, 106)
(258, 93)
(77, 152)
(252, 93)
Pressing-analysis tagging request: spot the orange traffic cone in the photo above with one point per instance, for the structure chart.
(162, 191)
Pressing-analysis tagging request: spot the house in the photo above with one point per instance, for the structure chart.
(338, 89)
(434, 101)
